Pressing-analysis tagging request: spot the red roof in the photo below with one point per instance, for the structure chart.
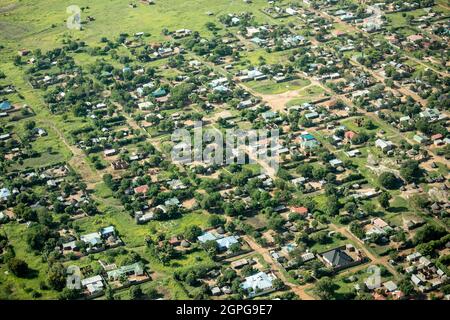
(141, 189)
(437, 136)
(396, 295)
(300, 210)
(414, 37)
(378, 296)
(350, 134)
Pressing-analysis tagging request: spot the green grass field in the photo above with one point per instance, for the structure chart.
(34, 25)
(13, 287)
(271, 87)
(310, 93)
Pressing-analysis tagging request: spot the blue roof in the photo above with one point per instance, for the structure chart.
(5, 105)
(108, 230)
(307, 137)
(207, 236)
(4, 193)
(226, 242)
(159, 92)
(289, 247)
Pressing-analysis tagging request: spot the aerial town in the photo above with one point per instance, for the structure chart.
(94, 207)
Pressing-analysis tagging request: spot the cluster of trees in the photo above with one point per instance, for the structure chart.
(410, 171)
(389, 180)
(428, 233)
(136, 177)
(214, 47)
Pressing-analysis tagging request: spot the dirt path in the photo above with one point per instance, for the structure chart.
(278, 101)
(78, 160)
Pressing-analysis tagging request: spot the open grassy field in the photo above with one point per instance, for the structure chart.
(34, 25)
(253, 57)
(310, 93)
(398, 19)
(271, 87)
(13, 287)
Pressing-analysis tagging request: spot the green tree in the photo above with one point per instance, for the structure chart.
(325, 288)
(410, 171)
(192, 232)
(275, 223)
(388, 180)
(211, 247)
(332, 205)
(278, 284)
(428, 233)
(56, 276)
(18, 267)
(135, 292)
(406, 287)
(69, 294)
(383, 199)
(109, 293)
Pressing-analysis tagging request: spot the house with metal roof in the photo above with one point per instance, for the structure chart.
(338, 259)
(4, 194)
(207, 236)
(93, 285)
(306, 137)
(108, 231)
(5, 105)
(335, 163)
(172, 202)
(160, 92)
(93, 238)
(268, 115)
(135, 269)
(258, 283)
(227, 242)
(384, 145)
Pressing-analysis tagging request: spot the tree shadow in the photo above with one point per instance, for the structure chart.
(30, 274)
(397, 209)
